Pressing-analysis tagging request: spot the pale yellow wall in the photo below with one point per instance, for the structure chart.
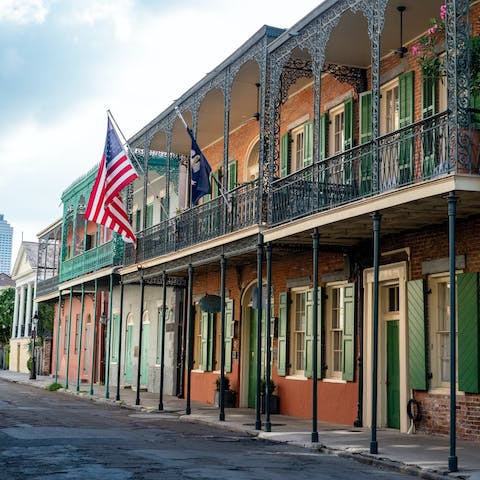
(19, 355)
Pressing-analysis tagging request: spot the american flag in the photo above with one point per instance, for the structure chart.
(115, 172)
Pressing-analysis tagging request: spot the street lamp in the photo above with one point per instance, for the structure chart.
(33, 373)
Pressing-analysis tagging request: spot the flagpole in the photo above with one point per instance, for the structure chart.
(219, 185)
(109, 113)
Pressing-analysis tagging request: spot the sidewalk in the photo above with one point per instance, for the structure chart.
(418, 454)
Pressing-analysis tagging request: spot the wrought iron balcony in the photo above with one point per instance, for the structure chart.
(413, 154)
(108, 254)
(46, 286)
(198, 224)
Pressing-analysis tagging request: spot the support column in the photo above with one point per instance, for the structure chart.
(223, 265)
(120, 333)
(80, 334)
(140, 333)
(162, 345)
(268, 339)
(28, 313)
(109, 339)
(452, 211)
(15, 314)
(258, 417)
(188, 409)
(314, 437)
(376, 260)
(68, 337)
(94, 342)
(21, 312)
(57, 345)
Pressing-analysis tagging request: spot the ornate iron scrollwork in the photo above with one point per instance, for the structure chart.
(356, 77)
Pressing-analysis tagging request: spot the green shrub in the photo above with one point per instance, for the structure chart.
(54, 387)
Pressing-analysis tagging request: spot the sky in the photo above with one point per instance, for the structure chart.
(64, 63)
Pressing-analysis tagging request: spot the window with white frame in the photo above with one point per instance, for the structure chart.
(297, 148)
(335, 317)
(336, 139)
(439, 314)
(297, 340)
(389, 107)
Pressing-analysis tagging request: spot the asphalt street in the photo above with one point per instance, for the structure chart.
(52, 435)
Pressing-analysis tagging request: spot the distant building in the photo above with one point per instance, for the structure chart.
(6, 234)
(6, 281)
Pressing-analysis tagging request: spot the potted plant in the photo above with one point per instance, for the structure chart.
(274, 399)
(229, 396)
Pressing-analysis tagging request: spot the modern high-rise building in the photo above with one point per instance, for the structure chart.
(6, 234)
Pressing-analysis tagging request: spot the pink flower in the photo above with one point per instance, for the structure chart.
(443, 12)
(433, 29)
(416, 50)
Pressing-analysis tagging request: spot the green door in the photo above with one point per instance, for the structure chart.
(252, 362)
(128, 354)
(393, 375)
(144, 360)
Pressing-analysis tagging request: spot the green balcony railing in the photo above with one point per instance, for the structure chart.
(108, 254)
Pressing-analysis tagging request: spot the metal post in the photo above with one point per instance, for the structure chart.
(452, 210)
(120, 332)
(376, 260)
(109, 339)
(268, 371)
(140, 332)
(162, 345)
(68, 338)
(188, 409)
(33, 373)
(221, 396)
(57, 352)
(79, 356)
(258, 417)
(315, 337)
(94, 342)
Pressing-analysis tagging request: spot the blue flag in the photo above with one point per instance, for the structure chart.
(200, 171)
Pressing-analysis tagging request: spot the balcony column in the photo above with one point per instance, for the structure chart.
(258, 406)
(227, 92)
(120, 333)
(109, 339)
(80, 334)
(162, 344)
(268, 339)
(376, 266)
(21, 312)
(167, 176)
(140, 334)
(190, 320)
(28, 313)
(15, 313)
(69, 326)
(315, 247)
(146, 156)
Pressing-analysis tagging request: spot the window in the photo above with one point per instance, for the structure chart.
(334, 340)
(297, 357)
(297, 149)
(389, 108)
(336, 139)
(440, 330)
(91, 241)
(149, 215)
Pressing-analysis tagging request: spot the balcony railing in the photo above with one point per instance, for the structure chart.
(46, 286)
(198, 224)
(108, 254)
(412, 154)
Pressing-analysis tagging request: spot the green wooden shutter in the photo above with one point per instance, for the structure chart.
(323, 126)
(232, 175)
(149, 215)
(348, 373)
(309, 334)
(475, 104)
(468, 333)
(228, 335)
(215, 190)
(348, 124)
(406, 113)
(365, 185)
(307, 144)
(428, 138)
(282, 334)
(163, 209)
(210, 341)
(204, 319)
(285, 155)
(417, 353)
(138, 217)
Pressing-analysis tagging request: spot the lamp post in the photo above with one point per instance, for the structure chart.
(33, 373)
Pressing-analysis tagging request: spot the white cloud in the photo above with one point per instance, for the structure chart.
(23, 11)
